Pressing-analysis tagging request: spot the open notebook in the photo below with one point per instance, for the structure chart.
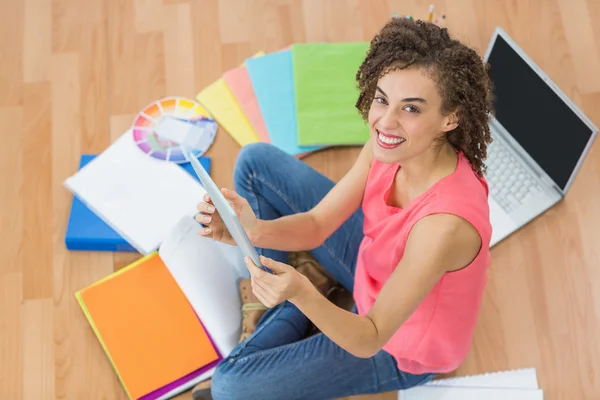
(139, 197)
(87, 232)
(166, 320)
(520, 384)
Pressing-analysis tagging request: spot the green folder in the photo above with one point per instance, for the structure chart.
(326, 93)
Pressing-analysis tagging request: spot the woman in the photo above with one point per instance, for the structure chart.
(407, 230)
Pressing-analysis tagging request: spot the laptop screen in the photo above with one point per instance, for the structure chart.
(534, 115)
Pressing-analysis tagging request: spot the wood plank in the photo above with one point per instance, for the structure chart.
(207, 42)
(37, 175)
(234, 20)
(179, 51)
(11, 55)
(11, 338)
(66, 144)
(37, 40)
(330, 21)
(136, 62)
(11, 201)
(38, 349)
(93, 106)
(578, 23)
(374, 14)
(149, 16)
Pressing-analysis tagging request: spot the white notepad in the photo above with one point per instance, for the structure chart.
(520, 384)
(140, 197)
(467, 393)
(515, 379)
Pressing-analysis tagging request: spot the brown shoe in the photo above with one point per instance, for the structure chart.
(202, 391)
(252, 309)
(305, 263)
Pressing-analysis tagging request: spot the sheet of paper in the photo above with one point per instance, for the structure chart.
(140, 327)
(464, 393)
(220, 102)
(272, 81)
(206, 374)
(512, 384)
(138, 196)
(239, 83)
(326, 93)
(515, 379)
(208, 272)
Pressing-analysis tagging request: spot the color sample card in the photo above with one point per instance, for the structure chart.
(222, 104)
(272, 80)
(239, 83)
(147, 326)
(326, 93)
(145, 123)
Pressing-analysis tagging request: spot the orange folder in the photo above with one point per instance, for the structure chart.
(147, 326)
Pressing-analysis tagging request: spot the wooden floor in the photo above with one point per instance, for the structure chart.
(73, 73)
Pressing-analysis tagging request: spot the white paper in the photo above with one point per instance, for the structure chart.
(188, 385)
(139, 196)
(208, 272)
(519, 384)
(514, 379)
(465, 393)
(197, 135)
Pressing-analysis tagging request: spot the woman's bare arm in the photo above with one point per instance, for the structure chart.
(305, 231)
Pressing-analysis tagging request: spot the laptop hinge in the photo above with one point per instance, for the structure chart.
(549, 182)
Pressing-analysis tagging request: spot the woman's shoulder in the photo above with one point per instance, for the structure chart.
(465, 195)
(465, 182)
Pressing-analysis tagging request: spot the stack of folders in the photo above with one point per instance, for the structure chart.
(300, 98)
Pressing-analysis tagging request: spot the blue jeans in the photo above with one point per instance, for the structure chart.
(278, 361)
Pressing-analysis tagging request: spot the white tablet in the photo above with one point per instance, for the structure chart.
(226, 212)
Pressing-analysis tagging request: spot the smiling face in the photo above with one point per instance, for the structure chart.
(405, 116)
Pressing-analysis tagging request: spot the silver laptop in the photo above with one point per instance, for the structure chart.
(540, 139)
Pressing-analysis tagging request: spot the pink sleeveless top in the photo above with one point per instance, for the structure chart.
(437, 336)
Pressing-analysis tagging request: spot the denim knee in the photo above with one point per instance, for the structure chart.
(229, 384)
(250, 158)
(220, 381)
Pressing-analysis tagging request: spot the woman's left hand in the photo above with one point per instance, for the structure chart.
(285, 283)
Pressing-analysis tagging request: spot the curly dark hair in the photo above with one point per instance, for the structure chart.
(461, 77)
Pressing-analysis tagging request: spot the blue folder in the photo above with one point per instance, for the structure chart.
(85, 231)
(272, 79)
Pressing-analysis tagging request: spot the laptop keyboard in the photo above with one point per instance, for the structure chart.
(510, 184)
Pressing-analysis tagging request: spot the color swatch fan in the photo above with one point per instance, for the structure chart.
(145, 123)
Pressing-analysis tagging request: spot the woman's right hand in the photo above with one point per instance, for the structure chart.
(214, 226)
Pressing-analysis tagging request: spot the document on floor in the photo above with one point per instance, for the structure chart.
(520, 384)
